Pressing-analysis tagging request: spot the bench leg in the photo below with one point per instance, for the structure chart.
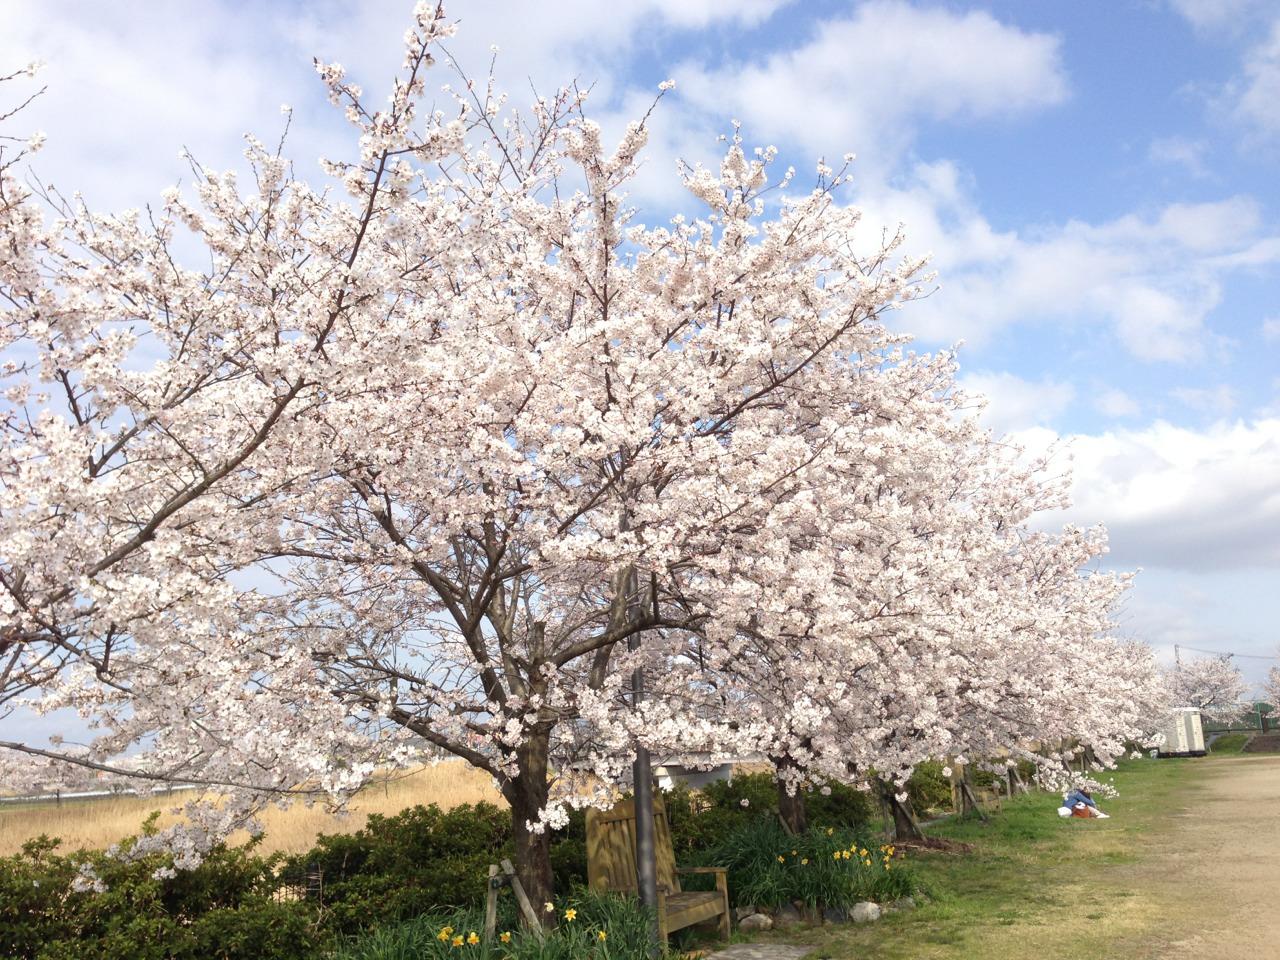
(722, 884)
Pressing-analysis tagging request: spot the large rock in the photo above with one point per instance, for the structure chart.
(864, 912)
(835, 915)
(741, 913)
(757, 921)
(787, 916)
(902, 903)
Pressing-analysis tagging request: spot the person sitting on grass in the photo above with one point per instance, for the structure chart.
(1081, 804)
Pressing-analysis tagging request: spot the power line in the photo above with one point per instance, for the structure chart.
(1225, 653)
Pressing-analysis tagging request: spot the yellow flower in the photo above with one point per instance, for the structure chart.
(830, 831)
(846, 854)
(804, 862)
(793, 853)
(602, 936)
(457, 940)
(781, 858)
(571, 914)
(443, 935)
(473, 938)
(505, 936)
(836, 855)
(548, 907)
(862, 853)
(887, 867)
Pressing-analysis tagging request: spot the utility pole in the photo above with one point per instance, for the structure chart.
(1177, 655)
(642, 776)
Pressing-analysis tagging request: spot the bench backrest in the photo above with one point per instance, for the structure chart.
(611, 848)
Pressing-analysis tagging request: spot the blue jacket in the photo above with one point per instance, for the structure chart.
(1075, 796)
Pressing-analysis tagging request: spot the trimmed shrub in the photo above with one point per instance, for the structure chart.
(419, 861)
(222, 909)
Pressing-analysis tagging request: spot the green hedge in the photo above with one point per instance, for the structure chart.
(419, 862)
(222, 910)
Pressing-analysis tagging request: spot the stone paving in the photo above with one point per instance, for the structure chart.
(761, 951)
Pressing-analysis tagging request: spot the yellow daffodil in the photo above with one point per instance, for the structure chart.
(847, 854)
(505, 936)
(830, 831)
(602, 936)
(781, 858)
(548, 907)
(836, 855)
(473, 938)
(571, 914)
(862, 853)
(866, 863)
(804, 862)
(457, 940)
(793, 853)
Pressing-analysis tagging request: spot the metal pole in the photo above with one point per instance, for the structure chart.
(642, 777)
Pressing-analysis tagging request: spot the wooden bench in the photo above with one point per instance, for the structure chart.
(611, 866)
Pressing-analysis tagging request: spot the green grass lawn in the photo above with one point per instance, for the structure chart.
(1034, 885)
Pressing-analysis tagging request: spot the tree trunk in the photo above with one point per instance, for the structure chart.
(527, 794)
(904, 818)
(790, 805)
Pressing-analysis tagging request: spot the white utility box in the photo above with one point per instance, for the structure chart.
(1183, 734)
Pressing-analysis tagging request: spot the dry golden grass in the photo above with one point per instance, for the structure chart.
(101, 821)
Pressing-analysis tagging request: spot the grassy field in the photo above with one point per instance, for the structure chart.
(1033, 885)
(101, 821)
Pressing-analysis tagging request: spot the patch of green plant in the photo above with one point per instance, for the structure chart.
(824, 867)
(1229, 744)
(703, 820)
(588, 926)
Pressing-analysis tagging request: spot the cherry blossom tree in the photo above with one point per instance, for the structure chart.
(472, 458)
(1271, 686)
(1211, 684)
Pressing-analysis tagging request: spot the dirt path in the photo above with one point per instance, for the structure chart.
(1218, 870)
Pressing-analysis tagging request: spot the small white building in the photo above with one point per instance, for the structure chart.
(1183, 734)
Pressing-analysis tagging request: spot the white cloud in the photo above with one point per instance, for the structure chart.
(864, 83)
(1257, 92)
(1014, 403)
(1173, 497)
(1180, 152)
(1271, 329)
(1217, 14)
(1215, 401)
(1116, 403)
(1150, 278)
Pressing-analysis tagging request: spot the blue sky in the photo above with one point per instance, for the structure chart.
(1096, 182)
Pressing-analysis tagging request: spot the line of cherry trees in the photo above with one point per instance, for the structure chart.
(444, 449)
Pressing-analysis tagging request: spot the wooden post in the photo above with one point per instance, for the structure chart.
(491, 904)
(526, 908)
(971, 802)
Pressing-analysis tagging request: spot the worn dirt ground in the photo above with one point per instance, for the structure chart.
(1220, 866)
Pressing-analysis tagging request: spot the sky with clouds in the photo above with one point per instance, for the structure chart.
(1095, 182)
